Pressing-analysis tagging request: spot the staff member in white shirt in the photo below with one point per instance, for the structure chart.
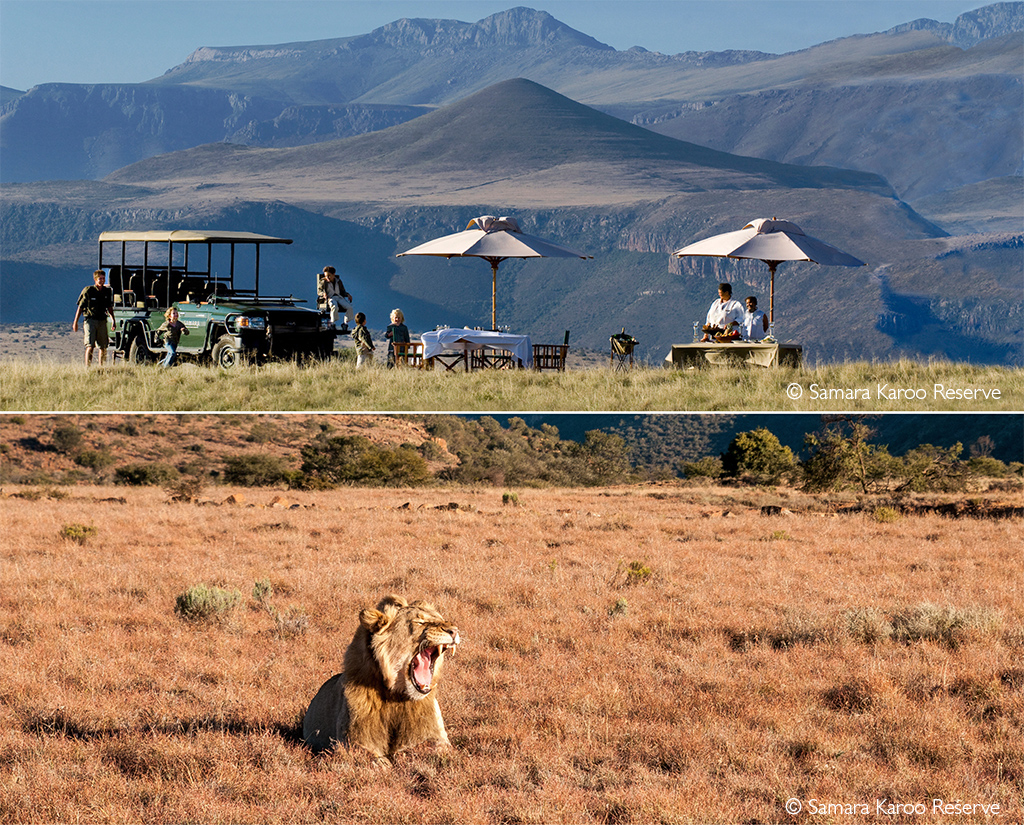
(723, 312)
(755, 322)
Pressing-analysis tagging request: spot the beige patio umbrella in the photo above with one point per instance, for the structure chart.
(772, 241)
(494, 240)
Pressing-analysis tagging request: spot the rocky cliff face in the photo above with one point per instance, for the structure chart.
(972, 27)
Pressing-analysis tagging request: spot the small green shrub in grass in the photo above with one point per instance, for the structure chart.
(201, 603)
(886, 515)
(620, 608)
(867, 625)
(78, 533)
(637, 573)
(948, 626)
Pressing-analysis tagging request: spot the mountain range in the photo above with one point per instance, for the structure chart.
(444, 135)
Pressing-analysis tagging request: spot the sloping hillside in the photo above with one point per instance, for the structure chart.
(518, 137)
(570, 173)
(868, 102)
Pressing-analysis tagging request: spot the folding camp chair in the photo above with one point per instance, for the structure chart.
(622, 350)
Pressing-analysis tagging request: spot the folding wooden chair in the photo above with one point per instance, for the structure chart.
(550, 356)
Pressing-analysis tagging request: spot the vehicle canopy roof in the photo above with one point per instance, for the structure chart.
(189, 236)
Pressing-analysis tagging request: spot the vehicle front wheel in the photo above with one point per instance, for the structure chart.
(225, 355)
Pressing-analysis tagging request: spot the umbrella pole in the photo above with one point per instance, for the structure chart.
(771, 292)
(494, 295)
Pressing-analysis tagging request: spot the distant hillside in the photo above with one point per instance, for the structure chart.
(68, 449)
(972, 27)
(569, 173)
(995, 205)
(7, 95)
(904, 104)
(512, 130)
(894, 115)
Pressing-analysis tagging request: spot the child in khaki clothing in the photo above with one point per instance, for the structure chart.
(364, 343)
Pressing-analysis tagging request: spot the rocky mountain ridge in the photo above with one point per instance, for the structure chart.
(299, 93)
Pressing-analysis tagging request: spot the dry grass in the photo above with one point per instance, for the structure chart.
(337, 386)
(743, 663)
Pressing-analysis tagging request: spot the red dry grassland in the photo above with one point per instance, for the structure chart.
(714, 689)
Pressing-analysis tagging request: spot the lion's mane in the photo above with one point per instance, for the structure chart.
(385, 700)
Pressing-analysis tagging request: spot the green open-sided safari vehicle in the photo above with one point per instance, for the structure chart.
(195, 271)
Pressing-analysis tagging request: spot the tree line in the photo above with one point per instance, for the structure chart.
(842, 454)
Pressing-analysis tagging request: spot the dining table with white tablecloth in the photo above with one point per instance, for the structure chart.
(463, 340)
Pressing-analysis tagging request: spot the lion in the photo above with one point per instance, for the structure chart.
(385, 700)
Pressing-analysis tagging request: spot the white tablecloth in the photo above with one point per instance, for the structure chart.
(440, 340)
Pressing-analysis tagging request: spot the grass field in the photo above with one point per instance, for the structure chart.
(337, 386)
(632, 654)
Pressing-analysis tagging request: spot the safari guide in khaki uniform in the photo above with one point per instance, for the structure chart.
(95, 303)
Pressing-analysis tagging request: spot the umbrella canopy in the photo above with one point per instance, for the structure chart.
(494, 240)
(772, 241)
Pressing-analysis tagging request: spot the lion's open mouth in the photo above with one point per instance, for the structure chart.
(421, 670)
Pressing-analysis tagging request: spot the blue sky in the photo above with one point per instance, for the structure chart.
(129, 41)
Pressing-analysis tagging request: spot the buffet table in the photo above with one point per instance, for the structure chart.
(477, 348)
(758, 354)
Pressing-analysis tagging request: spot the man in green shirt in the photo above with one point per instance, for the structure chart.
(95, 303)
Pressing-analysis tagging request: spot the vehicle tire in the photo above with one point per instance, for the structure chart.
(138, 352)
(225, 355)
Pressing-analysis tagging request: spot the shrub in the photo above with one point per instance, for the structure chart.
(760, 455)
(262, 591)
(867, 625)
(944, 625)
(186, 489)
(619, 608)
(841, 456)
(635, 573)
(254, 470)
(707, 467)
(985, 466)
(146, 475)
(95, 460)
(67, 438)
(886, 515)
(78, 533)
(262, 432)
(201, 603)
(431, 451)
(357, 460)
(510, 499)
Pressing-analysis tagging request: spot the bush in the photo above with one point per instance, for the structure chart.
(78, 533)
(95, 460)
(985, 466)
(886, 515)
(759, 455)
(146, 475)
(944, 625)
(707, 467)
(67, 439)
(867, 625)
(186, 489)
(255, 470)
(201, 603)
(357, 460)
